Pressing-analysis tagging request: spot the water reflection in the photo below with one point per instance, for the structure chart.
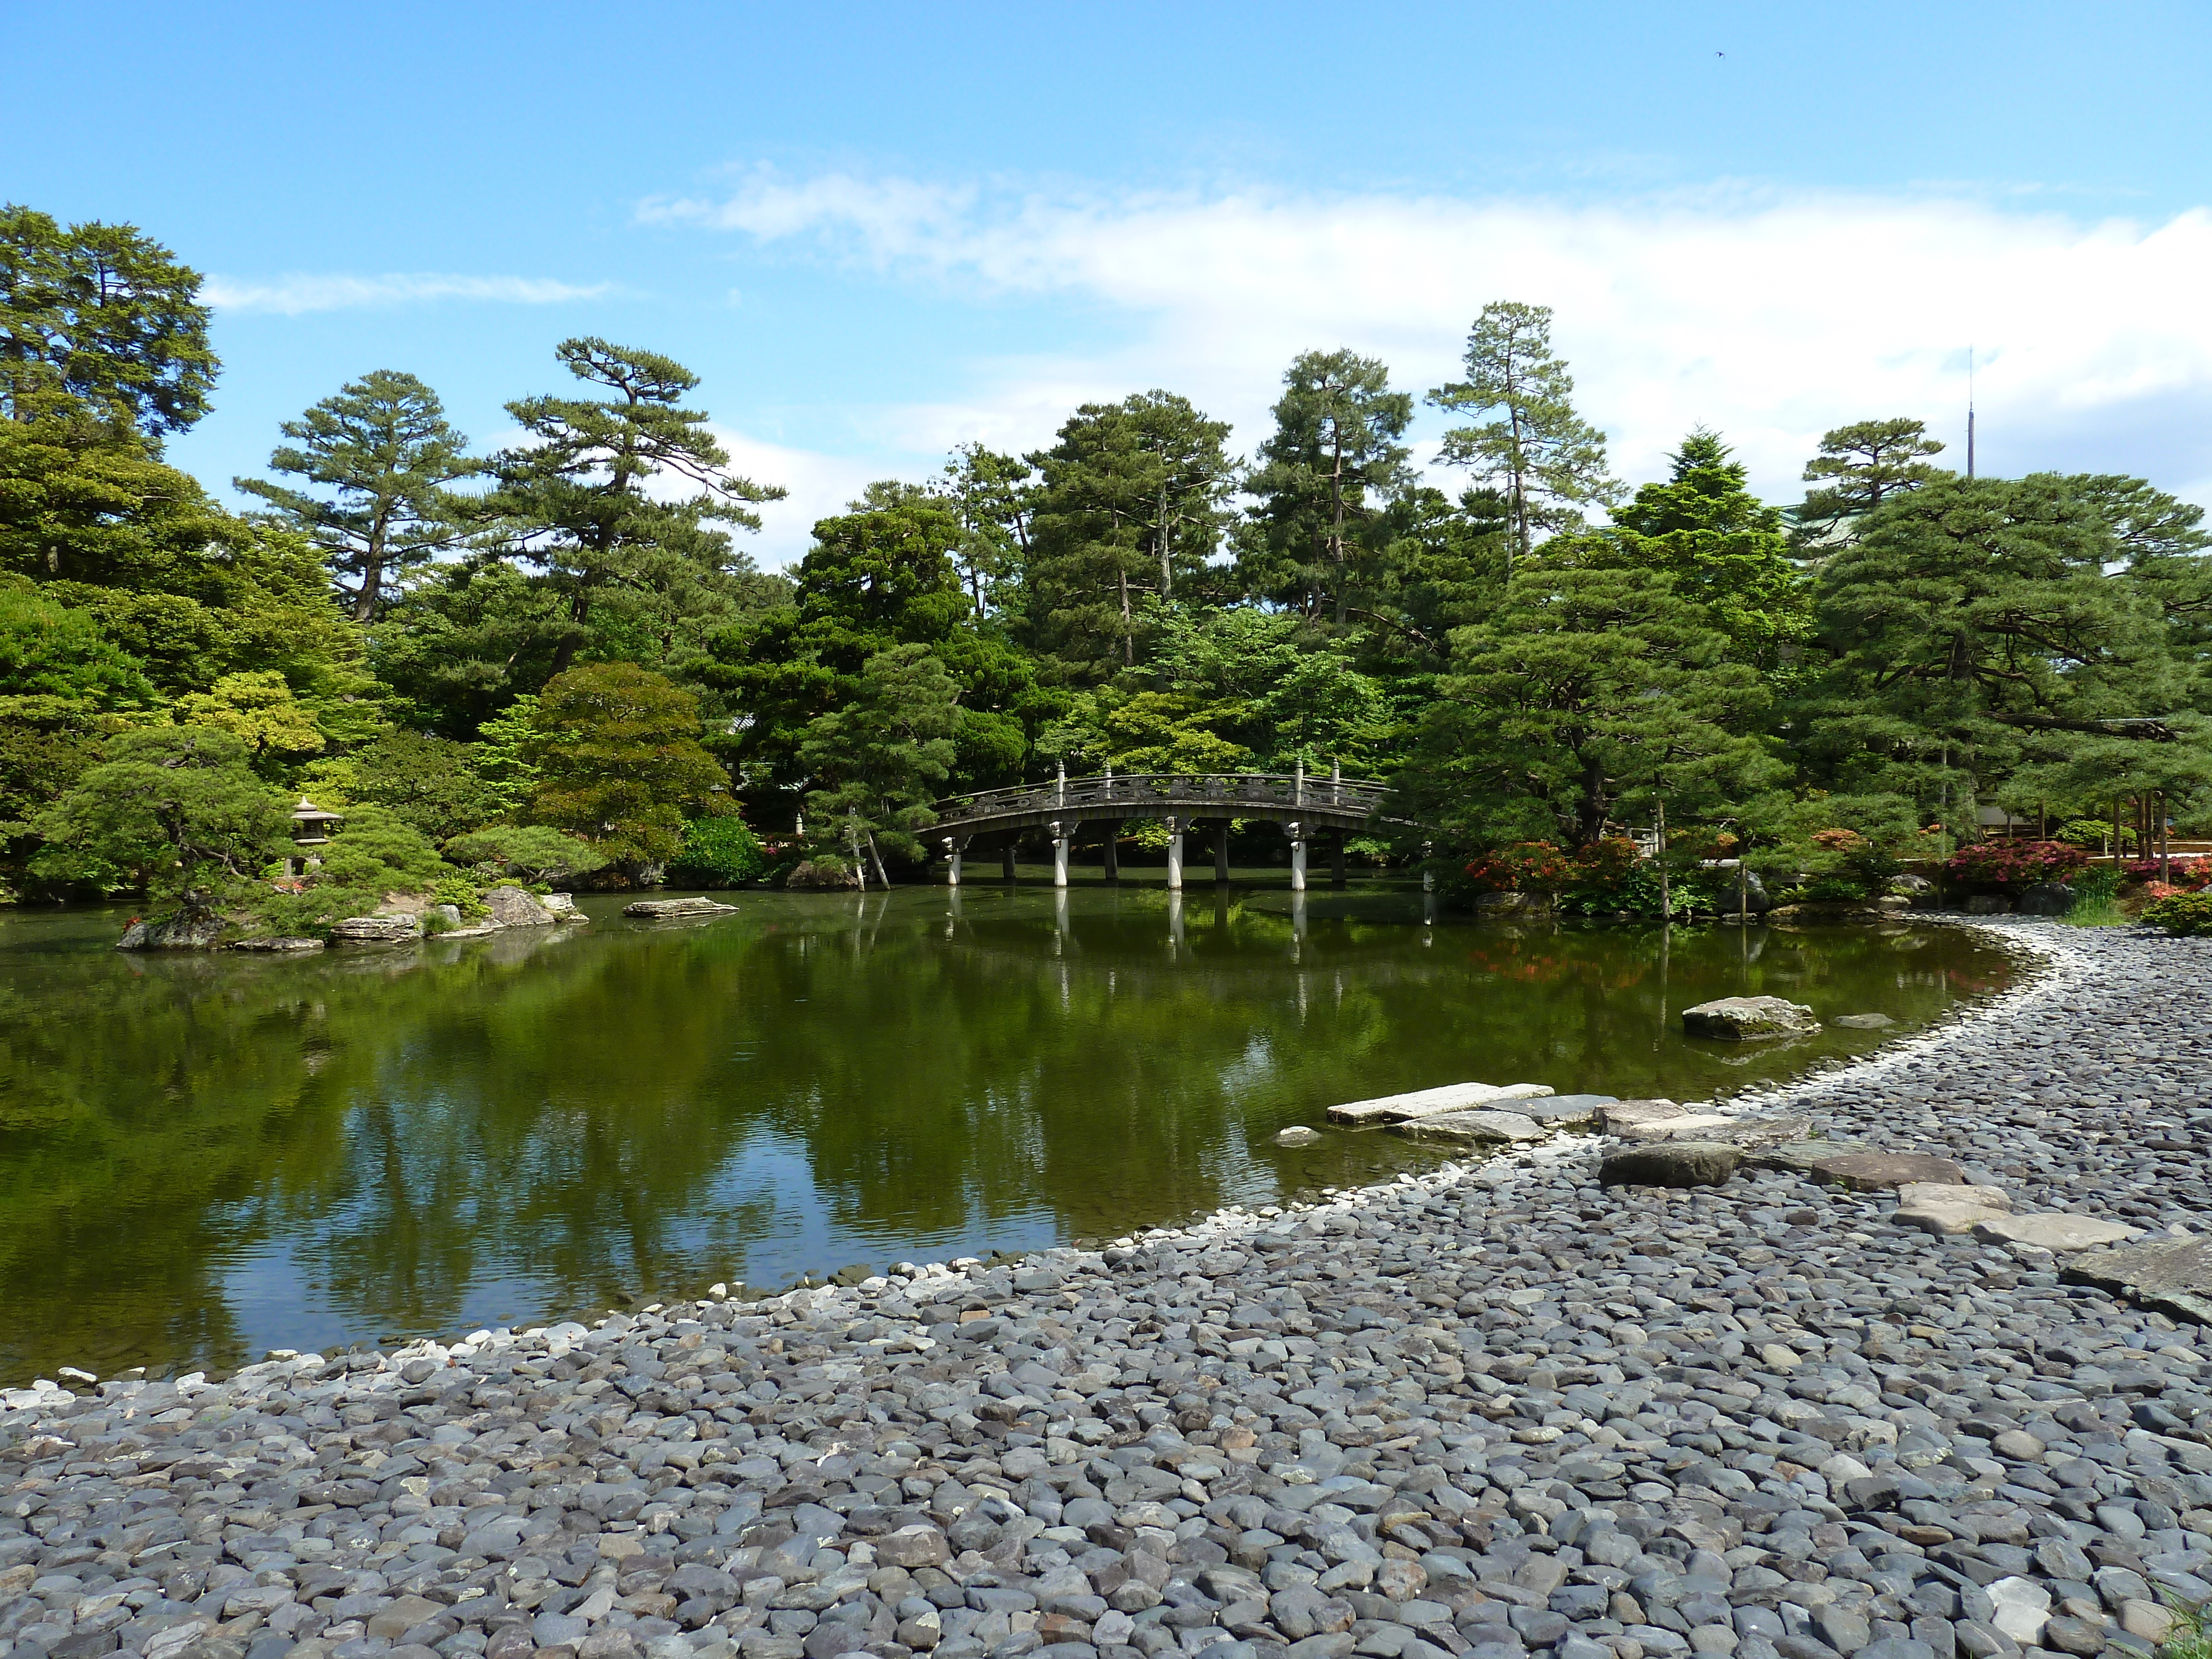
(201, 1157)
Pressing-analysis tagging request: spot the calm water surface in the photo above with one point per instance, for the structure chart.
(204, 1157)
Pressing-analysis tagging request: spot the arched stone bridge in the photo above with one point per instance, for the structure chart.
(1300, 804)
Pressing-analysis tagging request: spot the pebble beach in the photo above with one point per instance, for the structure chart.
(1498, 1409)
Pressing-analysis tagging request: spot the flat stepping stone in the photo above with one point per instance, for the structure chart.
(1564, 1111)
(2172, 1274)
(2056, 1231)
(1798, 1157)
(1744, 1019)
(668, 909)
(1868, 1172)
(1477, 1126)
(1863, 1022)
(1433, 1103)
(1620, 1113)
(1671, 1163)
(1710, 1126)
(1946, 1211)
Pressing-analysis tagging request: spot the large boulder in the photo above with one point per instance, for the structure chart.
(1741, 1019)
(516, 907)
(561, 907)
(2046, 898)
(808, 873)
(1918, 889)
(1989, 904)
(188, 930)
(376, 930)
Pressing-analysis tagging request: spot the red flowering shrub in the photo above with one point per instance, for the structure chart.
(1526, 867)
(2189, 874)
(2015, 863)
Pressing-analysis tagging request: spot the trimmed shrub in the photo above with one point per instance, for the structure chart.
(717, 852)
(2182, 913)
(2015, 863)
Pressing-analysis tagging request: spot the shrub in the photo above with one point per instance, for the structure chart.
(1835, 890)
(530, 854)
(2015, 863)
(717, 852)
(2090, 835)
(2182, 913)
(1527, 867)
(374, 855)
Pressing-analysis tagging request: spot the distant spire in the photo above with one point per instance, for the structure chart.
(1970, 411)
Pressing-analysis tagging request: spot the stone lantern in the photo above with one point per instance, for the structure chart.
(311, 827)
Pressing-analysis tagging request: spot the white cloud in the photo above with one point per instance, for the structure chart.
(820, 485)
(1769, 316)
(292, 295)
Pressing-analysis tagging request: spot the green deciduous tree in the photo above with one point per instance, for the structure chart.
(1591, 696)
(1860, 466)
(880, 756)
(1324, 479)
(177, 809)
(576, 497)
(382, 449)
(1547, 461)
(1132, 502)
(620, 762)
(101, 327)
(429, 784)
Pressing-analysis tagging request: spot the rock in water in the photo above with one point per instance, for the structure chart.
(2171, 1273)
(278, 943)
(1562, 1111)
(563, 907)
(1671, 1163)
(516, 907)
(1296, 1135)
(1476, 1125)
(1432, 1102)
(189, 930)
(376, 930)
(1739, 1019)
(2047, 898)
(666, 910)
(1864, 1022)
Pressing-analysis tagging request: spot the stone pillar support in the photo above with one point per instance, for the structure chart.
(1221, 851)
(1174, 853)
(1059, 840)
(1298, 835)
(1111, 854)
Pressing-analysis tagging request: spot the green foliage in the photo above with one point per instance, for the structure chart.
(880, 756)
(49, 650)
(1325, 480)
(502, 754)
(2090, 835)
(529, 853)
(620, 764)
(717, 852)
(429, 784)
(1860, 466)
(260, 710)
(1545, 460)
(1132, 502)
(382, 448)
(373, 856)
(174, 809)
(2181, 912)
(574, 504)
(1590, 695)
(461, 891)
(1724, 549)
(103, 328)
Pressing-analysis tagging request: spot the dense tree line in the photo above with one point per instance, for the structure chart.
(568, 637)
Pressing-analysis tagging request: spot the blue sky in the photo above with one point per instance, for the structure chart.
(877, 231)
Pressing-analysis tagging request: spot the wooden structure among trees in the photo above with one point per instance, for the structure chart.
(1181, 800)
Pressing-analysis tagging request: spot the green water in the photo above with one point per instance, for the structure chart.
(204, 1157)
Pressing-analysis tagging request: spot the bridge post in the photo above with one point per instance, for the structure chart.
(953, 847)
(1006, 855)
(1298, 833)
(1336, 858)
(1059, 840)
(1175, 854)
(1221, 851)
(1113, 850)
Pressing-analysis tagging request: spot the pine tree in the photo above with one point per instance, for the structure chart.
(1866, 463)
(1548, 461)
(880, 756)
(383, 448)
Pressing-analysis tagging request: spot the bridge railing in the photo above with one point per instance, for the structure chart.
(1214, 793)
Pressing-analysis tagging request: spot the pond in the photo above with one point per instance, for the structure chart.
(204, 1157)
